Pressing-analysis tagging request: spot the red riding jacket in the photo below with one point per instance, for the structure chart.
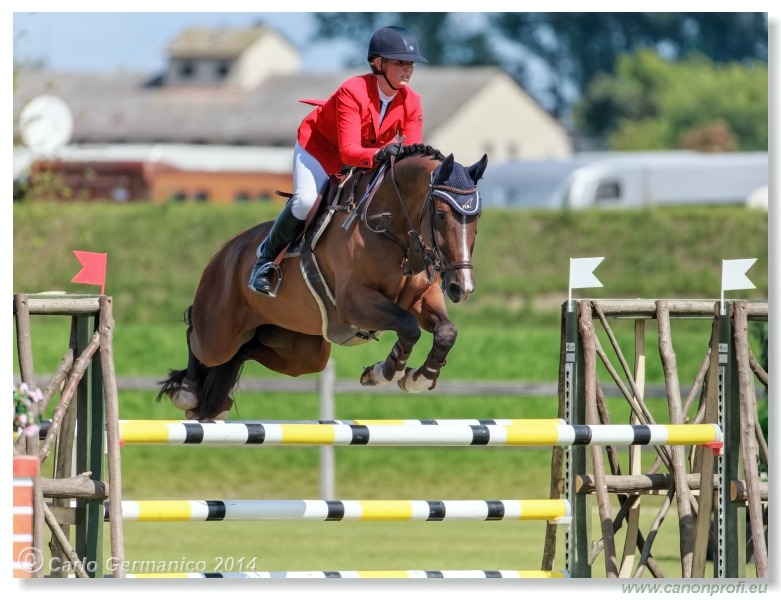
(346, 129)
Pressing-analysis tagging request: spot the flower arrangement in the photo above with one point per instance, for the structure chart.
(26, 417)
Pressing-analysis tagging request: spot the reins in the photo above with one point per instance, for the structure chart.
(433, 259)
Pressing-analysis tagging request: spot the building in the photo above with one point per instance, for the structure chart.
(241, 88)
(236, 58)
(163, 172)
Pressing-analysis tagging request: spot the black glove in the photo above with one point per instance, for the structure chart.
(386, 152)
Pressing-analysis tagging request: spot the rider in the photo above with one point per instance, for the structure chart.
(361, 124)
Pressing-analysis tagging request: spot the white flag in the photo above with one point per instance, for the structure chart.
(733, 274)
(581, 272)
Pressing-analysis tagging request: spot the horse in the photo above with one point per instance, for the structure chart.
(385, 248)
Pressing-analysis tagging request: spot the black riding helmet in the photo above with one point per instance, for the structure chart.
(395, 43)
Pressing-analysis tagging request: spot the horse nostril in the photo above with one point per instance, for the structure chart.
(455, 291)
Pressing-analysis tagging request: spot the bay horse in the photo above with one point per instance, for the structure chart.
(385, 248)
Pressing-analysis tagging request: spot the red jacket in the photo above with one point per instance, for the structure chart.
(345, 129)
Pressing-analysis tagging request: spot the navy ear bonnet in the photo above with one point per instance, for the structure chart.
(461, 190)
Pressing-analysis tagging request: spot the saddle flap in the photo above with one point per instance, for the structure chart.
(334, 329)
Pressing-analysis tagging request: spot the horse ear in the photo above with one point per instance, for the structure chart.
(445, 169)
(476, 170)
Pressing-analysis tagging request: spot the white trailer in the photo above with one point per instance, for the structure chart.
(666, 179)
(626, 180)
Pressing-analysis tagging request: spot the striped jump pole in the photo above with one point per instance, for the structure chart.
(554, 511)
(540, 432)
(466, 574)
(45, 424)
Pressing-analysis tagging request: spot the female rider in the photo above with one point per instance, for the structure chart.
(359, 125)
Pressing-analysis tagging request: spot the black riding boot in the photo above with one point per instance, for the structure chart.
(284, 230)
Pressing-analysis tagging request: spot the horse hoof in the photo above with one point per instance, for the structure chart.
(373, 375)
(221, 415)
(184, 400)
(414, 385)
(190, 414)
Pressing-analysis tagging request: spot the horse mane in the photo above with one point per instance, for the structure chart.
(420, 150)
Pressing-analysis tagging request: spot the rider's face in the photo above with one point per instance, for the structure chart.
(398, 72)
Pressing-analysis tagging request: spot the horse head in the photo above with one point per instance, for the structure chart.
(455, 209)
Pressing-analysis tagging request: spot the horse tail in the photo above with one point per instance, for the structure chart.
(171, 384)
(175, 377)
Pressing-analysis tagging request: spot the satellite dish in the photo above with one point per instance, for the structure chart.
(46, 124)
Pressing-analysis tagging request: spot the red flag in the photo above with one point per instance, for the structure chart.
(94, 269)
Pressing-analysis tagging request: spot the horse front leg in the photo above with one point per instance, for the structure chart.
(433, 317)
(368, 309)
(425, 377)
(390, 369)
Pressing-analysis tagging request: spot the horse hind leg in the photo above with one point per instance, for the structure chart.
(204, 392)
(215, 385)
(181, 385)
(293, 354)
(288, 352)
(185, 396)
(185, 388)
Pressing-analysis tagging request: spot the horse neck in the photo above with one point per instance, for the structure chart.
(407, 198)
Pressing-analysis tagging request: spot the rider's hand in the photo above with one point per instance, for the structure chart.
(386, 152)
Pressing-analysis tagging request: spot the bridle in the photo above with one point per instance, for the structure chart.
(433, 258)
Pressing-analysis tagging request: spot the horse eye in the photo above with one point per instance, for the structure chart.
(441, 215)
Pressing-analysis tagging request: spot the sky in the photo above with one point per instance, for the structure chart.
(137, 41)
(105, 35)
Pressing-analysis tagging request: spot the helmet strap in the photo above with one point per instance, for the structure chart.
(384, 75)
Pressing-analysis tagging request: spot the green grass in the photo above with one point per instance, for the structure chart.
(509, 330)
(156, 254)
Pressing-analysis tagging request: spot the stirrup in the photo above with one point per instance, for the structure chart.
(267, 269)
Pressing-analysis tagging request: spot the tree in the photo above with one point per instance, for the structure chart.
(576, 47)
(444, 38)
(651, 103)
(556, 56)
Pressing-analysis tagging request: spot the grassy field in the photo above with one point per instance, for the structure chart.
(509, 330)
(156, 254)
